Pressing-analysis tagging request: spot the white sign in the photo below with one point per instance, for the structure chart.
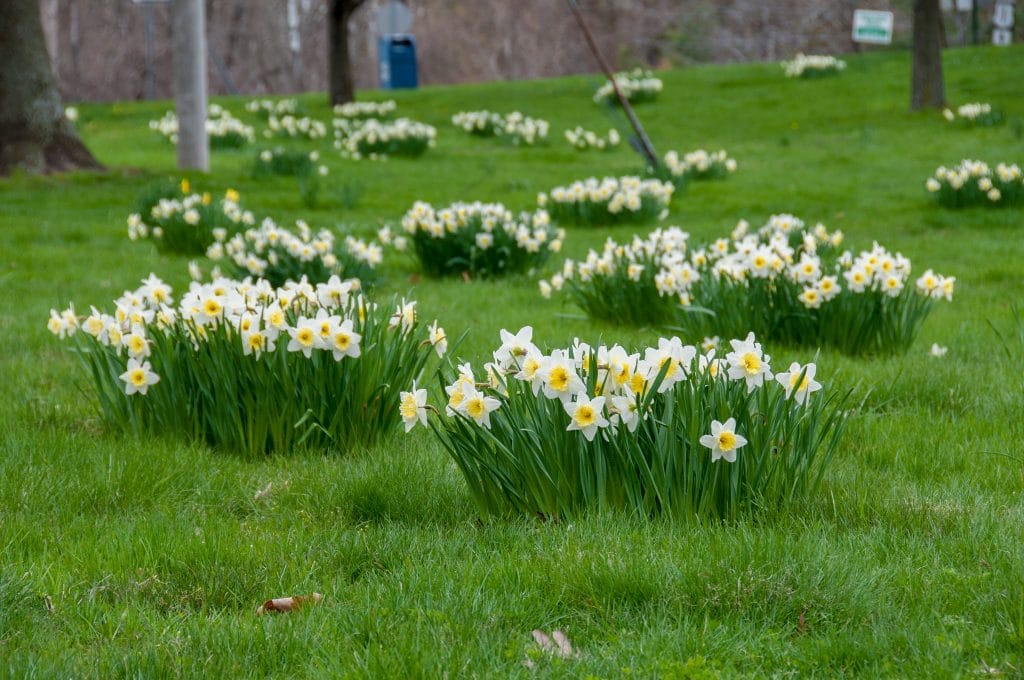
(1003, 16)
(1002, 34)
(870, 26)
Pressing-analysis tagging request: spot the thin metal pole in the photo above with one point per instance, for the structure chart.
(190, 84)
(645, 142)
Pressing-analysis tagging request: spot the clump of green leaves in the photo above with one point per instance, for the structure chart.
(252, 369)
(781, 282)
(279, 255)
(480, 239)
(667, 431)
(181, 222)
(609, 200)
(975, 183)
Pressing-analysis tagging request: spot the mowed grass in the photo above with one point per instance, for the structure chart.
(124, 558)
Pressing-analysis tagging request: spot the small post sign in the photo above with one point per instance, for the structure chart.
(1002, 20)
(873, 27)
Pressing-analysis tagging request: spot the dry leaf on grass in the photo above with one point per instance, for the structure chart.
(556, 645)
(262, 494)
(288, 604)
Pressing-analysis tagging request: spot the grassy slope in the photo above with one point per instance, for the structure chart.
(155, 555)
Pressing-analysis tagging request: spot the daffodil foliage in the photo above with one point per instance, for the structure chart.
(976, 183)
(279, 255)
(518, 129)
(697, 165)
(609, 200)
(975, 114)
(481, 239)
(813, 66)
(251, 368)
(223, 130)
(180, 221)
(669, 430)
(784, 282)
(376, 139)
(637, 86)
(285, 163)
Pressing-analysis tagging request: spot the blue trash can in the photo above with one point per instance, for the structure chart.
(397, 55)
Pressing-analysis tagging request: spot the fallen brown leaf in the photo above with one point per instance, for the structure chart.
(288, 604)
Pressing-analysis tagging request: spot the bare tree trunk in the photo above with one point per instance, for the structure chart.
(927, 88)
(339, 62)
(34, 134)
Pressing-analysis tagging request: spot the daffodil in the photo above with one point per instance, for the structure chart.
(747, 362)
(138, 377)
(514, 347)
(586, 415)
(438, 338)
(457, 391)
(625, 409)
(135, 342)
(560, 380)
(723, 440)
(799, 381)
(412, 406)
(478, 406)
(344, 341)
(305, 336)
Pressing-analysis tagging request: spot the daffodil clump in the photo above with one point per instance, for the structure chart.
(250, 368)
(698, 165)
(292, 127)
(786, 283)
(638, 85)
(813, 66)
(975, 114)
(480, 239)
(184, 222)
(288, 163)
(608, 200)
(584, 140)
(515, 127)
(670, 430)
(224, 130)
(279, 255)
(366, 109)
(376, 140)
(637, 284)
(265, 108)
(976, 183)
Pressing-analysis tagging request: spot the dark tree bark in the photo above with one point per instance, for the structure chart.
(34, 134)
(927, 89)
(339, 62)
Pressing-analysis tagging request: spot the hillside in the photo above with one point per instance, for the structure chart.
(124, 557)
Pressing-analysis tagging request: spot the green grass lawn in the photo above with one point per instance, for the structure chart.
(125, 558)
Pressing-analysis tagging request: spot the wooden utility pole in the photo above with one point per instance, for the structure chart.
(190, 84)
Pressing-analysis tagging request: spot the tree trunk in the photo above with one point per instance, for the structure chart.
(34, 134)
(339, 61)
(927, 89)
